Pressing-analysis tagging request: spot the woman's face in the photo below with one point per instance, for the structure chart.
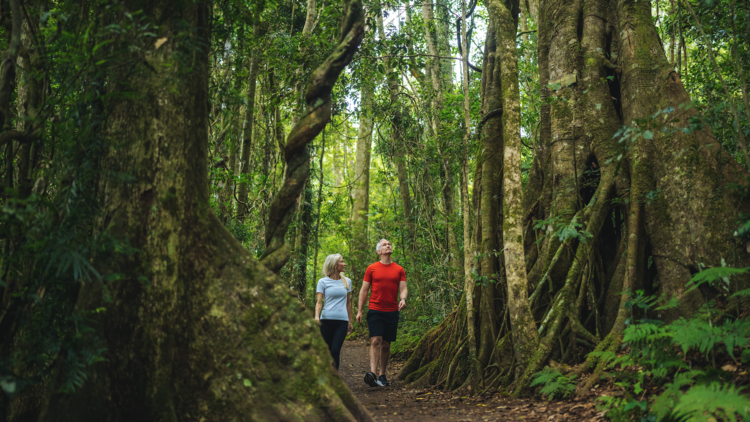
(341, 266)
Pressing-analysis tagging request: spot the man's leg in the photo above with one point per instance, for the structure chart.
(385, 353)
(375, 352)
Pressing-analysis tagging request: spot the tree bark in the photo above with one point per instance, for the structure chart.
(522, 321)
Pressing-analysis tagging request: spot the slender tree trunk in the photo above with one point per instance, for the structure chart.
(321, 177)
(247, 135)
(469, 253)
(398, 136)
(436, 35)
(302, 246)
(361, 208)
(522, 321)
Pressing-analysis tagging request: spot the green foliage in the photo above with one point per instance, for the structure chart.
(666, 353)
(711, 402)
(701, 335)
(409, 334)
(565, 232)
(713, 275)
(554, 384)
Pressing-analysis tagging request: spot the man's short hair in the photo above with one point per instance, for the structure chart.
(377, 246)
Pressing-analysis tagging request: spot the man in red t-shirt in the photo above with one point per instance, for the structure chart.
(387, 279)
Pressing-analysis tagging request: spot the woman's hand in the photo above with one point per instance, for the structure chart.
(317, 319)
(351, 328)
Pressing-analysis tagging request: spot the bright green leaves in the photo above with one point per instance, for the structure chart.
(554, 383)
(702, 335)
(712, 402)
(713, 275)
(573, 230)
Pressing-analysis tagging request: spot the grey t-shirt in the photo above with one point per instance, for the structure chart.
(334, 295)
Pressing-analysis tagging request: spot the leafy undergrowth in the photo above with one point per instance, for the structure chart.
(692, 369)
(409, 334)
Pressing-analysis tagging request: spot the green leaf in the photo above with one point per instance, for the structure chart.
(712, 402)
(246, 382)
(712, 274)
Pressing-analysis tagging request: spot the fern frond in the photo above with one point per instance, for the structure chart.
(555, 383)
(662, 406)
(712, 274)
(712, 402)
(741, 293)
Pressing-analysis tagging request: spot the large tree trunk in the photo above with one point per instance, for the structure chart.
(192, 329)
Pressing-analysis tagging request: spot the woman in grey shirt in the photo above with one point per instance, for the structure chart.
(336, 315)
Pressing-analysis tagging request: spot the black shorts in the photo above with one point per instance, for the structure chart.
(383, 324)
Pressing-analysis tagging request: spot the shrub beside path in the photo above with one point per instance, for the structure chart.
(400, 403)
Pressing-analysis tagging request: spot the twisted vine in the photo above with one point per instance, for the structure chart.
(317, 114)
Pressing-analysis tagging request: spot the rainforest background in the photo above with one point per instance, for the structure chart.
(565, 182)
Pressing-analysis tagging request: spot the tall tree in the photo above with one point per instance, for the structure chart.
(190, 330)
(522, 321)
(247, 133)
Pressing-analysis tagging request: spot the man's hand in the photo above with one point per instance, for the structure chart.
(351, 328)
(359, 317)
(402, 304)
(317, 319)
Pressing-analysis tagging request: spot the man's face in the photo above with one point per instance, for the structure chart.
(385, 248)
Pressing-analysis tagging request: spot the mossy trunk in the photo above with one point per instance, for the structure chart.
(490, 202)
(522, 321)
(302, 246)
(193, 327)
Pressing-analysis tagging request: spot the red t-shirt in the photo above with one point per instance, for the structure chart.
(384, 281)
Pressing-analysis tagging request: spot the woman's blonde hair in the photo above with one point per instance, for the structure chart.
(329, 267)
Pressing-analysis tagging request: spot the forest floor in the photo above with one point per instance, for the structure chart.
(399, 403)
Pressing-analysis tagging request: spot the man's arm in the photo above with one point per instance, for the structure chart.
(362, 297)
(402, 293)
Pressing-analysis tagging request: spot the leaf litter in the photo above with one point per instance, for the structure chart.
(401, 403)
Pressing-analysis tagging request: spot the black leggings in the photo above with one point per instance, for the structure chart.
(334, 333)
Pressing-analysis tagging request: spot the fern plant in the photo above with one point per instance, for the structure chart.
(712, 402)
(659, 352)
(554, 383)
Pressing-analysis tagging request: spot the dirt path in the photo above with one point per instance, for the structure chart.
(397, 403)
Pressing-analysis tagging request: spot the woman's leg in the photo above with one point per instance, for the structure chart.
(339, 335)
(327, 331)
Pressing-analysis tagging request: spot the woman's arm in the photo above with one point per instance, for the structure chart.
(318, 306)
